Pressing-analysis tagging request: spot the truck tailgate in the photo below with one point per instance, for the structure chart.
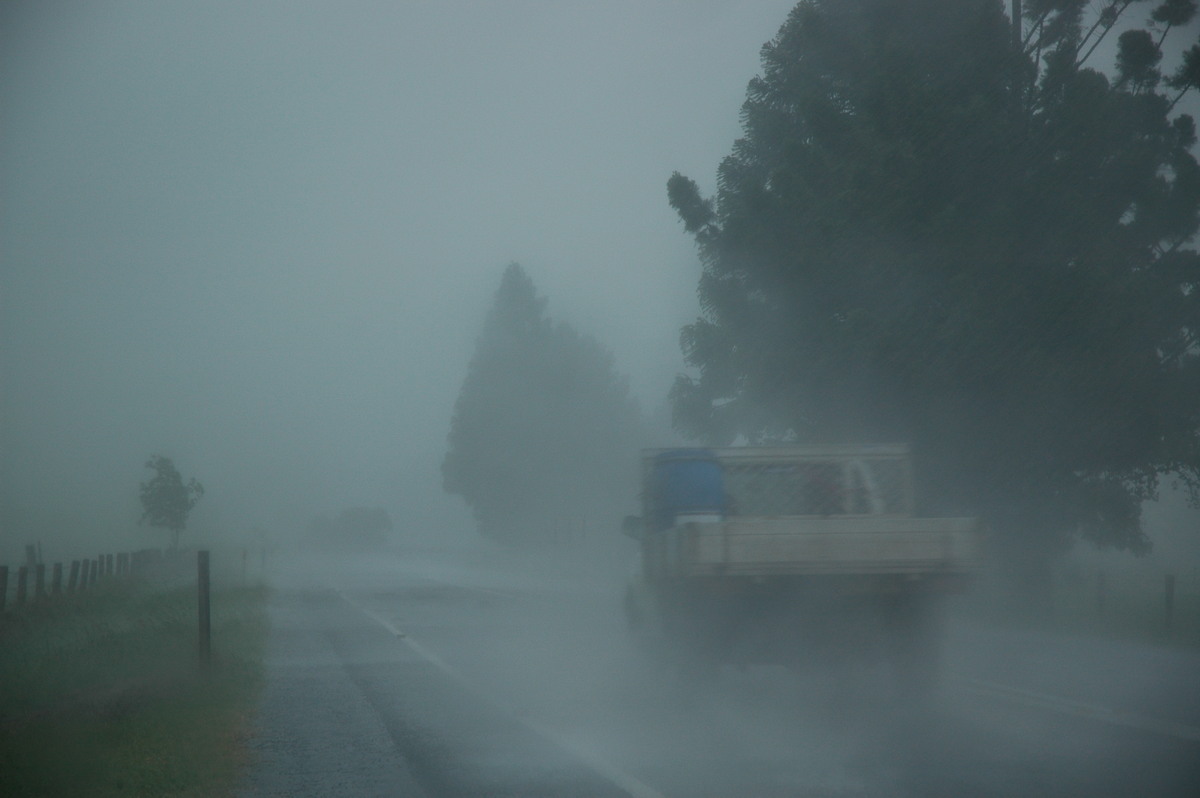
(869, 545)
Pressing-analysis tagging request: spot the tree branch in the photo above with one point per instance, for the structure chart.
(1035, 27)
(1179, 97)
(1166, 30)
(1091, 30)
(1100, 38)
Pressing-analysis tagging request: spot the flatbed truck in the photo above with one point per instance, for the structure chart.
(793, 554)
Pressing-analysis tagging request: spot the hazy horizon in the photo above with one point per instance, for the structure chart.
(261, 238)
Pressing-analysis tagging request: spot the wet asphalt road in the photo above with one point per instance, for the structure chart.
(426, 676)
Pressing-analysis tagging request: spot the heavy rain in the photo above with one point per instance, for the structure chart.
(585, 399)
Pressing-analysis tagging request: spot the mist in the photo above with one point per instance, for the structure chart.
(264, 240)
(261, 239)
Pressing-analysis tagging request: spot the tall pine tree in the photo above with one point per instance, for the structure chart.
(543, 441)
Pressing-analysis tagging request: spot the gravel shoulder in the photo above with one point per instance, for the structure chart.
(315, 732)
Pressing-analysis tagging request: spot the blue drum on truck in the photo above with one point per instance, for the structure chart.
(685, 482)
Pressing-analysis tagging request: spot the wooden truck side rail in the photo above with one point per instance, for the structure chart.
(800, 546)
(794, 510)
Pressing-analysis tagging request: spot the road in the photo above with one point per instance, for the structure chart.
(433, 676)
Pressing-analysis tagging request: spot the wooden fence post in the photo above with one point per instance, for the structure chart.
(205, 617)
(108, 564)
(73, 581)
(93, 572)
(56, 579)
(3, 587)
(22, 584)
(39, 582)
(1169, 586)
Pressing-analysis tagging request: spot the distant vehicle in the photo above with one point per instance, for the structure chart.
(792, 554)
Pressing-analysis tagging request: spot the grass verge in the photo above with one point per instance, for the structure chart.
(1133, 608)
(1123, 606)
(102, 694)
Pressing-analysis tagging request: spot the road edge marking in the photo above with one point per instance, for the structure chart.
(1080, 709)
(605, 769)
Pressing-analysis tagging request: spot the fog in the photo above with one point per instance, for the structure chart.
(261, 238)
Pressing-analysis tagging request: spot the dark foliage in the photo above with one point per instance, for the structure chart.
(942, 229)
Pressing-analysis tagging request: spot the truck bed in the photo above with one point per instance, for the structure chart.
(804, 545)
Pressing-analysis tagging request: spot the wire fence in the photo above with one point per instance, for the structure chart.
(1152, 603)
(35, 582)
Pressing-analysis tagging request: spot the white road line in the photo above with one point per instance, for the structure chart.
(1080, 709)
(620, 778)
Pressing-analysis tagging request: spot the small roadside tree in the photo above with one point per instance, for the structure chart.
(166, 501)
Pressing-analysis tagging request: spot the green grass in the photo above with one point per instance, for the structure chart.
(102, 694)
(1134, 608)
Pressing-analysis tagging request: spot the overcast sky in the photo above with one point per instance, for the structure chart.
(260, 237)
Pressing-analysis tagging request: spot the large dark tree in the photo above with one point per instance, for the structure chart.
(543, 441)
(944, 228)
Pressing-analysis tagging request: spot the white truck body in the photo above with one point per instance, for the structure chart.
(861, 524)
(775, 546)
(792, 554)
